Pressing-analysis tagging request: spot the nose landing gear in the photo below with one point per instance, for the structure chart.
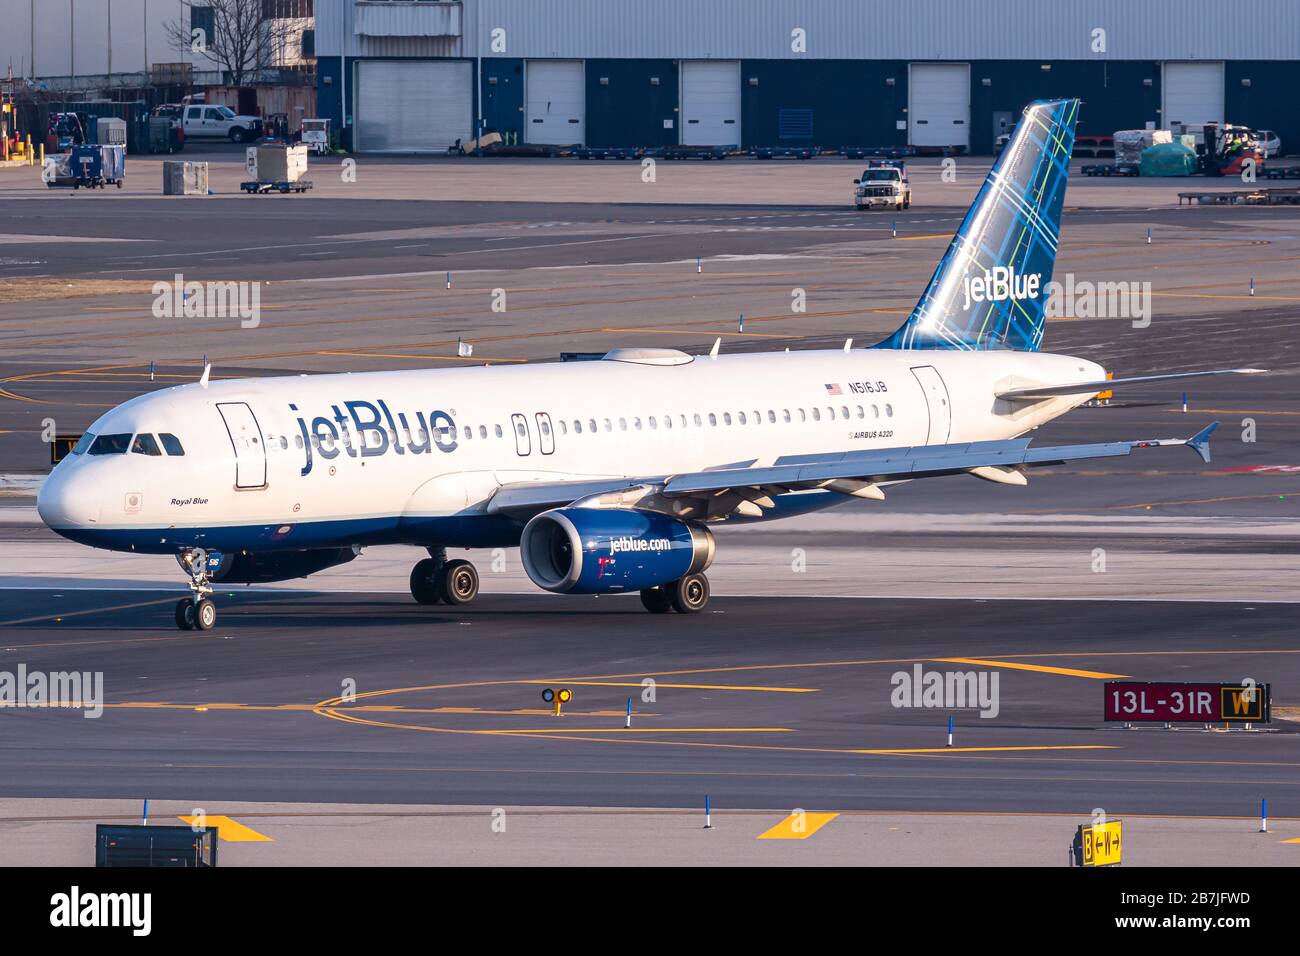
(437, 580)
(196, 612)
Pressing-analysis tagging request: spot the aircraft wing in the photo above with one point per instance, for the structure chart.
(747, 490)
(1091, 388)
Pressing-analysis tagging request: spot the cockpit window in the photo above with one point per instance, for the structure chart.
(145, 444)
(83, 443)
(172, 444)
(110, 444)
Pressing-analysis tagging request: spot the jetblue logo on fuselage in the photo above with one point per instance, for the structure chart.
(1001, 284)
(369, 430)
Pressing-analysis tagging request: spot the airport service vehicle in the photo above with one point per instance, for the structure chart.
(316, 135)
(1270, 143)
(202, 121)
(883, 183)
(613, 475)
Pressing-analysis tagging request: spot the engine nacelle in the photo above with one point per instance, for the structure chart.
(605, 550)
(252, 567)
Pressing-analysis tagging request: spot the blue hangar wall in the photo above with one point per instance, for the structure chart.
(833, 103)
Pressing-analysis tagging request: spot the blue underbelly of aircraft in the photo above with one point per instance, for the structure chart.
(453, 531)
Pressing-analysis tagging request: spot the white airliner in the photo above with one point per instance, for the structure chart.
(609, 475)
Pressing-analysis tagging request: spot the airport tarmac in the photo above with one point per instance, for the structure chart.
(777, 698)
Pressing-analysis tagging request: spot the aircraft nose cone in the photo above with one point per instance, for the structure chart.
(64, 501)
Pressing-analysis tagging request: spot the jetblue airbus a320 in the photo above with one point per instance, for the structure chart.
(610, 475)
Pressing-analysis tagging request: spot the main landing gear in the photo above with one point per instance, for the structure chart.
(436, 580)
(196, 612)
(686, 595)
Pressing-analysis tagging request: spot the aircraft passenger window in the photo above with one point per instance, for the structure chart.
(803, 416)
(684, 421)
(622, 424)
(297, 443)
(726, 418)
(771, 417)
(668, 421)
(546, 428)
(110, 445)
(521, 430)
(636, 423)
(741, 418)
(830, 413)
(698, 420)
(564, 427)
(172, 445)
(844, 411)
(889, 411)
(862, 413)
(482, 431)
(817, 414)
(469, 433)
(497, 429)
(577, 426)
(424, 436)
(145, 444)
(875, 411)
(713, 419)
(758, 418)
(785, 415)
(653, 424)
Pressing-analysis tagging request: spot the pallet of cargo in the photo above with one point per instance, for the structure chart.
(1111, 169)
(258, 187)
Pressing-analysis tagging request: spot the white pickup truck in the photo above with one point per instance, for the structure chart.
(202, 121)
(882, 184)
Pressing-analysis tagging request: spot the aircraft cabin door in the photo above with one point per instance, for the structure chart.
(545, 434)
(246, 438)
(523, 443)
(936, 398)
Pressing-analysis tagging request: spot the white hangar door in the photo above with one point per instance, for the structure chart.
(413, 106)
(557, 102)
(1193, 94)
(938, 104)
(711, 102)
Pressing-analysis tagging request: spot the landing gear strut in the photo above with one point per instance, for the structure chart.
(686, 595)
(435, 579)
(196, 612)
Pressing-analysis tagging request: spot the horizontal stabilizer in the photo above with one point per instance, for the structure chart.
(1091, 388)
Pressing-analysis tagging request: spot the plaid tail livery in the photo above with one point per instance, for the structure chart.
(991, 287)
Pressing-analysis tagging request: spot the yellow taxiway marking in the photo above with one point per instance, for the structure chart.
(1040, 668)
(798, 826)
(641, 730)
(610, 683)
(230, 831)
(968, 750)
(94, 610)
(369, 708)
(441, 358)
(1296, 840)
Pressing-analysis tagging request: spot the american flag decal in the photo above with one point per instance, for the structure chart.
(834, 390)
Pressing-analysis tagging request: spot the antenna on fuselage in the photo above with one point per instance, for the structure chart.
(207, 371)
(848, 344)
(717, 345)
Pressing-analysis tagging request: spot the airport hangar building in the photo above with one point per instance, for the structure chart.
(418, 75)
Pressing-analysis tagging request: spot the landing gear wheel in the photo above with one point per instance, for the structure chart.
(459, 581)
(656, 600)
(185, 614)
(689, 594)
(426, 581)
(205, 615)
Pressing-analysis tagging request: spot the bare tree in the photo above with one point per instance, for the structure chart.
(242, 37)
